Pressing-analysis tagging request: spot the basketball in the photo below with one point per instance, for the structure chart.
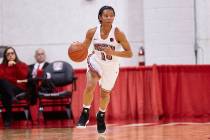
(77, 52)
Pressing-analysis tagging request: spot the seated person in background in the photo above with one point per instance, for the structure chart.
(11, 71)
(35, 72)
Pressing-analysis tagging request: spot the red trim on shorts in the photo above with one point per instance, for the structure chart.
(91, 68)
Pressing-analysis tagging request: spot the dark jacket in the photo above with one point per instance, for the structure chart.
(31, 67)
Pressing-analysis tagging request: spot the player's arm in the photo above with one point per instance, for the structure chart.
(88, 38)
(121, 38)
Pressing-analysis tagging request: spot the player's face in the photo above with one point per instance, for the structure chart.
(107, 16)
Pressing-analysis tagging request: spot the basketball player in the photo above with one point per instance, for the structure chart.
(110, 43)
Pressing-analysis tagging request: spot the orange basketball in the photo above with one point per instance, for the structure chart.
(77, 52)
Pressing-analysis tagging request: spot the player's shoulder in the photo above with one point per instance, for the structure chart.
(118, 32)
(91, 31)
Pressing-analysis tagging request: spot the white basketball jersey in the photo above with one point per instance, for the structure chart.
(99, 44)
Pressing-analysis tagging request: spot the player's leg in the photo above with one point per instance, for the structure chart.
(92, 79)
(107, 82)
(104, 101)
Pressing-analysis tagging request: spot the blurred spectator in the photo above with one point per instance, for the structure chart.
(36, 72)
(11, 71)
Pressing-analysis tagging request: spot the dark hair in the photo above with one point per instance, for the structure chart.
(104, 8)
(5, 61)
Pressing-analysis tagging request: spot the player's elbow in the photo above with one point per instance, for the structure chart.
(130, 54)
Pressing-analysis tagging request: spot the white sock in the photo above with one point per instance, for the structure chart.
(86, 106)
(102, 110)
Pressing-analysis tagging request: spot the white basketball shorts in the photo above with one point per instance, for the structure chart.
(107, 71)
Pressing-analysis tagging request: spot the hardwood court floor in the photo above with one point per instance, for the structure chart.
(182, 131)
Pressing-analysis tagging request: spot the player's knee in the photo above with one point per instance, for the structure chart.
(105, 94)
(90, 88)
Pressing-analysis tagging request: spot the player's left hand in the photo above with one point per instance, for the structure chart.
(108, 51)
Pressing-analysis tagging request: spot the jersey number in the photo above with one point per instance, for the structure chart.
(104, 56)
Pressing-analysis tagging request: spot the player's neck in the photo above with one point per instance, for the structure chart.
(106, 29)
